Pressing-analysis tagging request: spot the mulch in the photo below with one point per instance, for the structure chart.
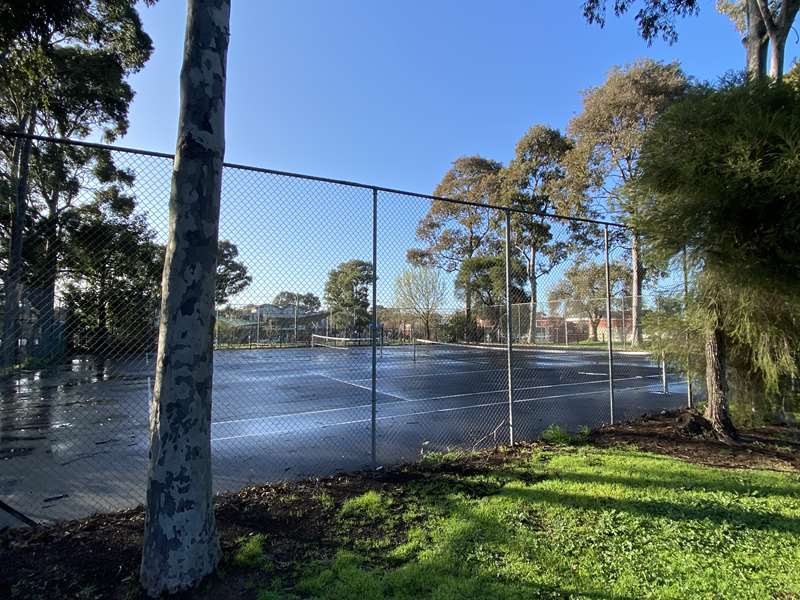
(685, 434)
(98, 557)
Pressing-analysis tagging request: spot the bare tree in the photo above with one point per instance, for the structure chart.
(180, 538)
(422, 291)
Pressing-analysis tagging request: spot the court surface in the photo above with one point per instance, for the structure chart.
(74, 441)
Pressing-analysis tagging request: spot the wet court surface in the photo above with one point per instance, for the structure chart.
(74, 441)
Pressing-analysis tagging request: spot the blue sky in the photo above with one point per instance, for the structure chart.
(389, 93)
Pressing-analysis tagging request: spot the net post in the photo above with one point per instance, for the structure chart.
(374, 326)
(608, 329)
(509, 359)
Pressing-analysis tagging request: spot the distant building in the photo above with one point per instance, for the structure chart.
(268, 322)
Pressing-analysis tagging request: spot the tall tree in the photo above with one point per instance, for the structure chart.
(608, 135)
(535, 181)
(762, 22)
(111, 293)
(180, 535)
(347, 294)
(63, 71)
(484, 277)
(454, 232)
(307, 302)
(420, 290)
(731, 199)
(232, 277)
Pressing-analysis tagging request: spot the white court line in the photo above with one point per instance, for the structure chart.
(440, 374)
(415, 414)
(586, 373)
(363, 387)
(405, 400)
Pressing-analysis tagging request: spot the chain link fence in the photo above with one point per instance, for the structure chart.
(343, 338)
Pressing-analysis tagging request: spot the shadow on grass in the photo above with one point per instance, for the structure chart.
(751, 519)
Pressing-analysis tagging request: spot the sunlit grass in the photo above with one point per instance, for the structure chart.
(579, 523)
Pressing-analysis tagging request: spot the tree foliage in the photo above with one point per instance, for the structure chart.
(420, 290)
(654, 18)
(307, 302)
(582, 291)
(347, 295)
(731, 198)
(232, 277)
(452, 232)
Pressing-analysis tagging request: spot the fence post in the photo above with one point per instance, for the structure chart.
(509, 360)
(608, 331)
(689, 398)
(374, 324)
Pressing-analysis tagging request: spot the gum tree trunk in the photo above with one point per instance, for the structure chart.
(717, 384)
(777, 27)
(180, 538)
(755, 42)
(14, 272)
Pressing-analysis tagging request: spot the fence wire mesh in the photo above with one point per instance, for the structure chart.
(315, 278)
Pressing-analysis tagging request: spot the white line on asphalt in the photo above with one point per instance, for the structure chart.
(406, 400)
(415, 414)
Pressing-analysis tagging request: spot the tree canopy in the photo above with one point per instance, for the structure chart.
(347, 295)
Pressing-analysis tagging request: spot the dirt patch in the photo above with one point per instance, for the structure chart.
(686, 435)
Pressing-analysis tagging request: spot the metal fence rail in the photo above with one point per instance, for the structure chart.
(342, 339)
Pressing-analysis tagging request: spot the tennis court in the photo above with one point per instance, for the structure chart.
(75, 439)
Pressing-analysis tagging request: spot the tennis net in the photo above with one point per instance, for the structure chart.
(329, 341)
(451, 351)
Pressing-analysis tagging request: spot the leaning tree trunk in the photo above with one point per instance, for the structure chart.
(717, 385)
(636, 293)
(15, 267)
(180, 538)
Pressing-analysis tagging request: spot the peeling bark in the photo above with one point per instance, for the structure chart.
(180, 539)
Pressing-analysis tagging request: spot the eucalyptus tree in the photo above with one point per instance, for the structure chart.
(454, 232)
(484, 278)
(347, 294)
(232, 277)
(761, 22)
(181, 545)
(608, 135)
(536, 180)
(307, 302)
(582, 291)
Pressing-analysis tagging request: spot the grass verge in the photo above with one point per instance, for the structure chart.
(541, 521)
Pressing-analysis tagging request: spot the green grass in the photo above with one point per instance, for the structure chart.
(251, 552)
(572, 523)
(369, 506)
